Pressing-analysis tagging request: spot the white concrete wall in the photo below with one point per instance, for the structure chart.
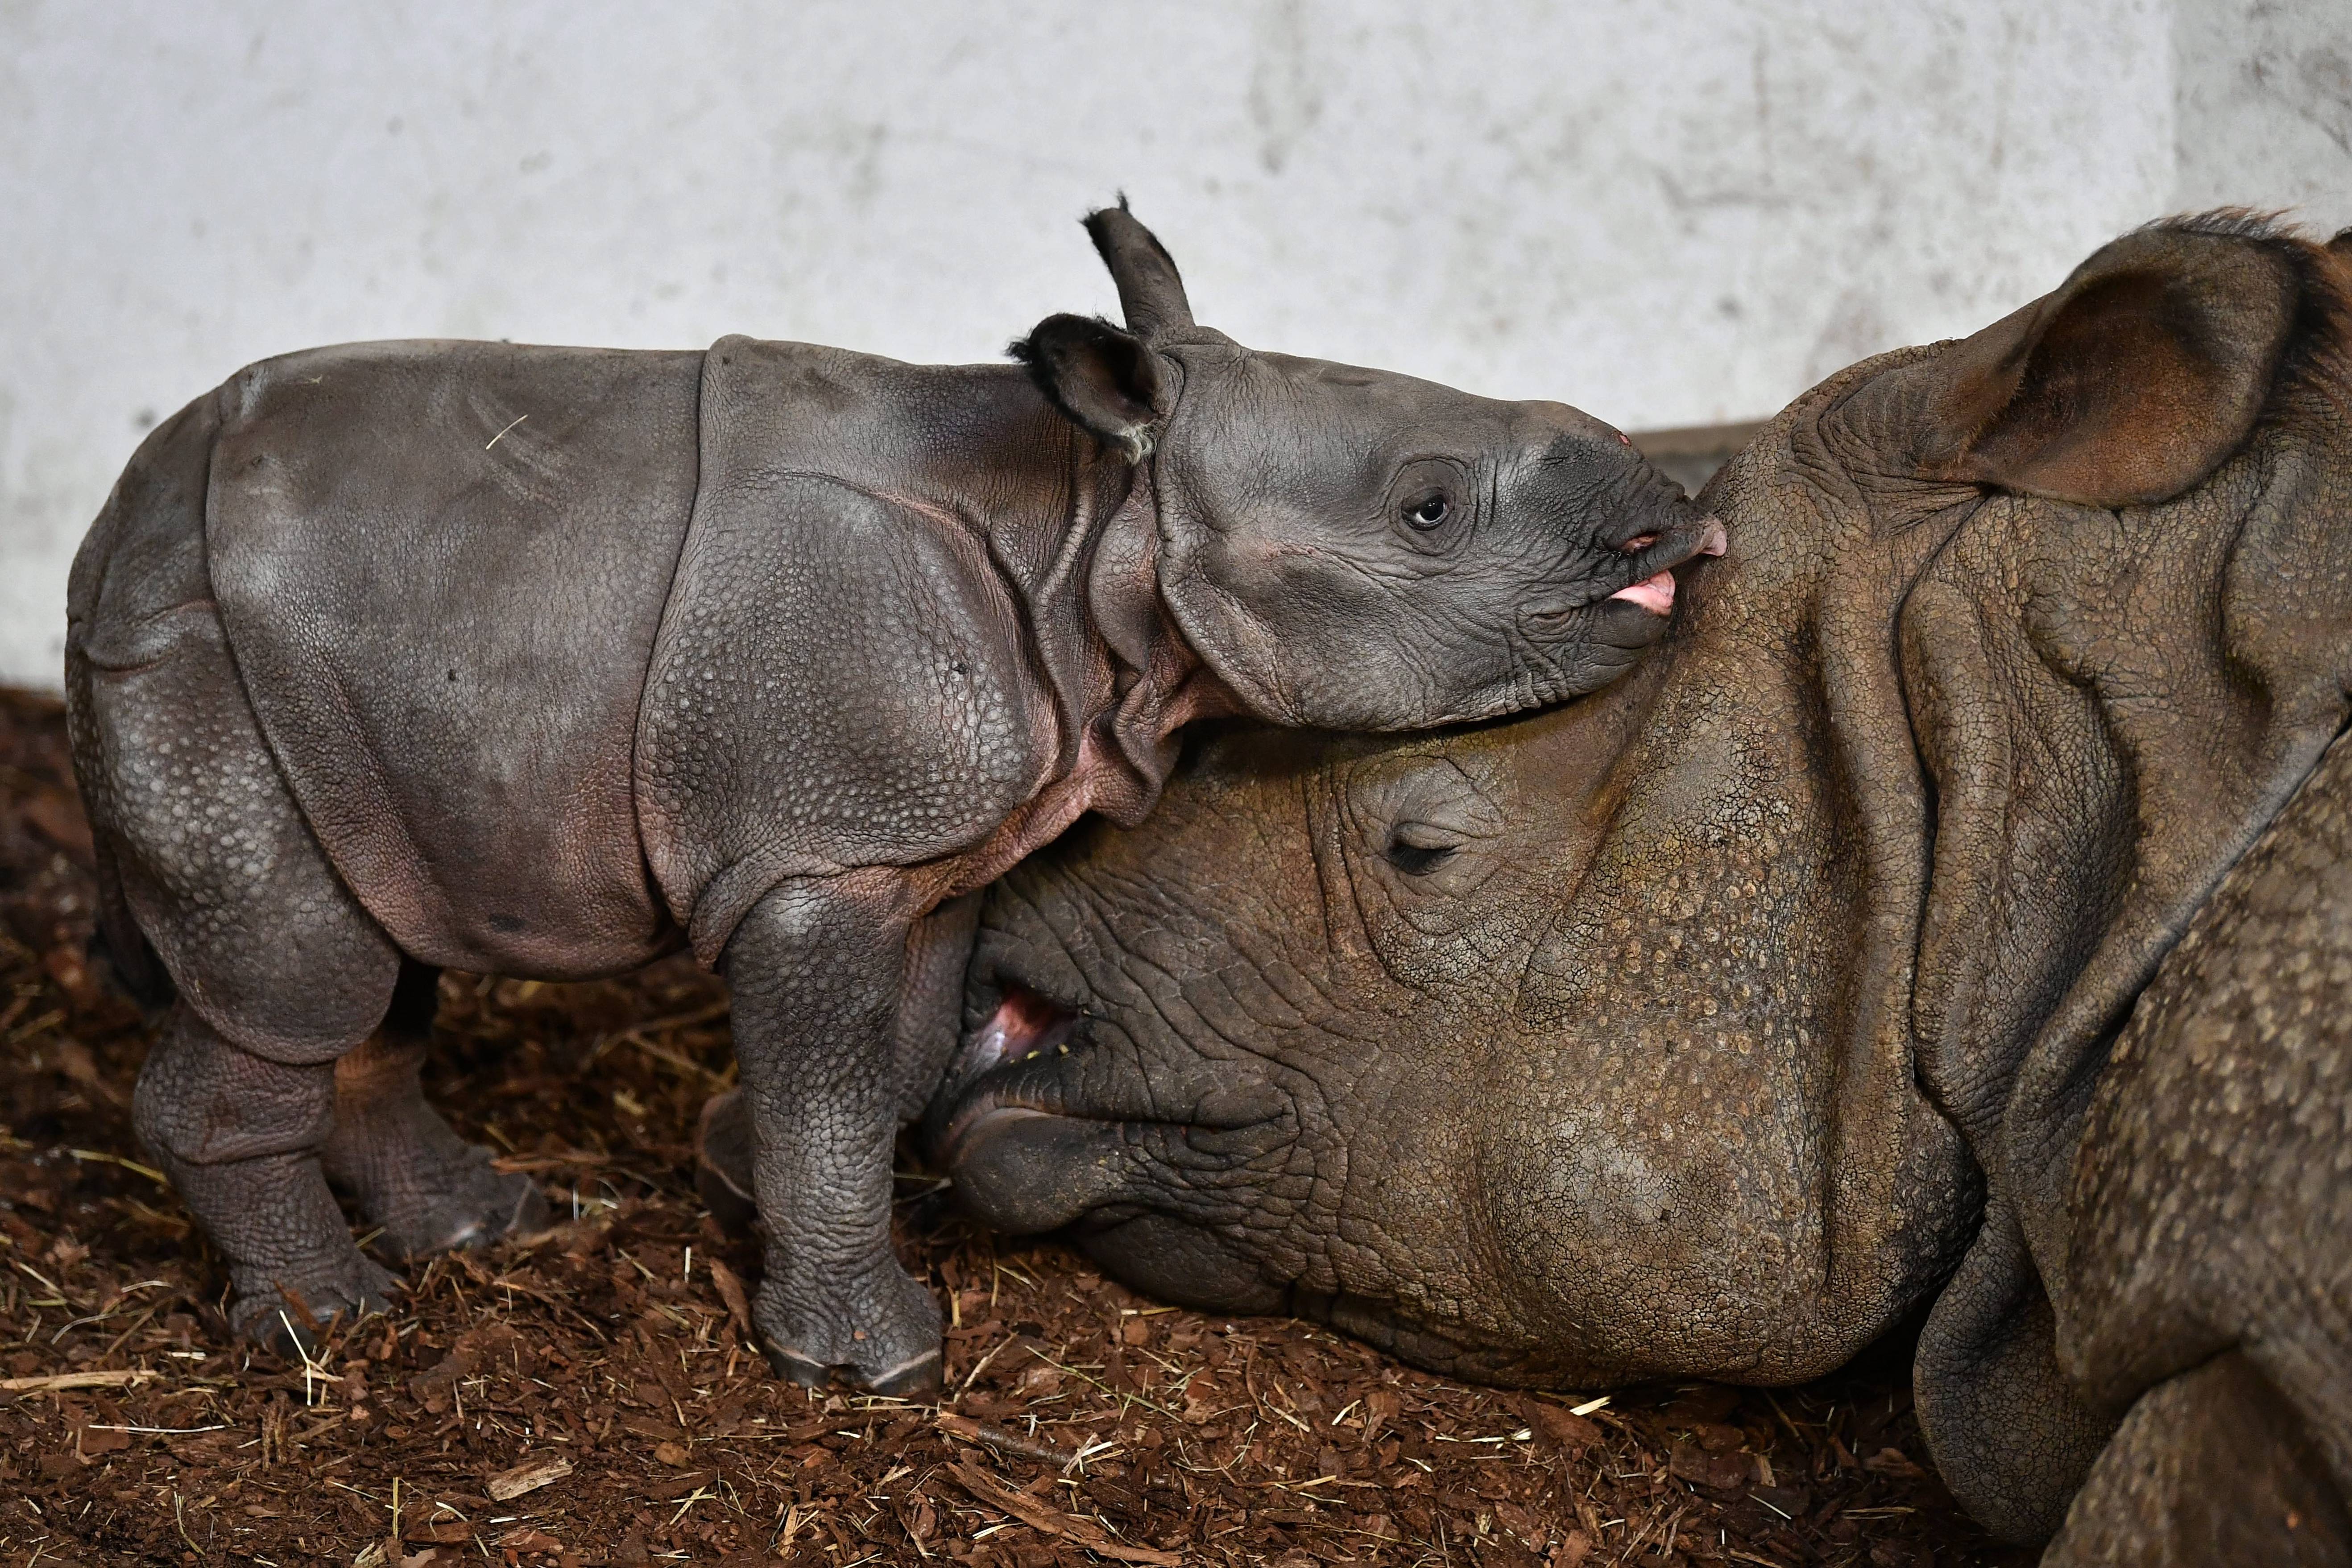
(1670, 211)
(2263, 99)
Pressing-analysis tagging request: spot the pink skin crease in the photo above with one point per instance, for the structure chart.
(1656, 594)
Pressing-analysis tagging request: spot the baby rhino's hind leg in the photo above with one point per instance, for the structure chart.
(238, 1134)
(424, 1187)
(277, 969)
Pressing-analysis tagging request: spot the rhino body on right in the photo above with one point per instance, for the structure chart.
(1955, 908)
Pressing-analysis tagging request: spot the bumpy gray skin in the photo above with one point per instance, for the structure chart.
(543, 661)
(1957, 908)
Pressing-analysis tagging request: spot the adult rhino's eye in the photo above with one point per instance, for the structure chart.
(1417, 850)
(1430, 510)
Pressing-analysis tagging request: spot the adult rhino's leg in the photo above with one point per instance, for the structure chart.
(814, 971)
(409, 1174)
(2210, 1466)
(277, 969)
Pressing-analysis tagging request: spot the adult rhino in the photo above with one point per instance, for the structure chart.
(1956, 906)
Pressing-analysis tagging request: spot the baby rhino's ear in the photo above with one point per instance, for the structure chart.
(1104, 379)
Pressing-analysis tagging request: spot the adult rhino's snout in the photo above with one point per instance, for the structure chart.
(1044, 1128)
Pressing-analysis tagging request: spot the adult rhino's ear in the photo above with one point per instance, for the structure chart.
(2133, 382)
(1107, 381)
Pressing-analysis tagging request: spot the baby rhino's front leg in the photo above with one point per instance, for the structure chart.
(815, 972)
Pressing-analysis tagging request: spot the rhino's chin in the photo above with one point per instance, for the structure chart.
(1026, 1171)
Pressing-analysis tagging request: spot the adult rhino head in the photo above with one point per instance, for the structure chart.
(1707, 1026)
(1354, 549)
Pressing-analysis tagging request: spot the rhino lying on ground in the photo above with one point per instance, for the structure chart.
(544, 661)
(1957, 905)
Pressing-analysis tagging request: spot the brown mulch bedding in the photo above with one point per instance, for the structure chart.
(588, 1395)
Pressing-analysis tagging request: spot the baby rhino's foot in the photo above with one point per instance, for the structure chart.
(457, 1203)
(879, 1331)
(291, 1311)
(408, 1173)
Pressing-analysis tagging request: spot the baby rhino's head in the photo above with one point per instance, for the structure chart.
(1351, 549)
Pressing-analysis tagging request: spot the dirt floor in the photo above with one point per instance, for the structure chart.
(589, 1395)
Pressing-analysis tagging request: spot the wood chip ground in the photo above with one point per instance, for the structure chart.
(588, 1395)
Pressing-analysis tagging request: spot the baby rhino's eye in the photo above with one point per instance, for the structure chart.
(1430, 500)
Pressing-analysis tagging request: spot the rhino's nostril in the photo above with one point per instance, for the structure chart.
(1636, 544)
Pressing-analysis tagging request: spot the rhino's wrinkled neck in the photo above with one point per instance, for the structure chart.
(1123, 678)
(1159, 684)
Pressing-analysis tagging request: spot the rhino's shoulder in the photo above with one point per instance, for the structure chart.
(843, 675)
(2211, 1202)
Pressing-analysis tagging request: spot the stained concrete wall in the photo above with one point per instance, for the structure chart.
(1671, 212)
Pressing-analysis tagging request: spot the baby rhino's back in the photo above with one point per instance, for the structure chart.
(441, 567)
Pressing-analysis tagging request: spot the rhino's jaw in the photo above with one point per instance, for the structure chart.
(1042, 1139)
(1157, 1181)
(1043, 1129)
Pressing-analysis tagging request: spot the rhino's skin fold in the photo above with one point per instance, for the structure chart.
(1955, 909)
(542, 661)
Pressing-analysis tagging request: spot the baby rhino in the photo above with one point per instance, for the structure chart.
(542, 661)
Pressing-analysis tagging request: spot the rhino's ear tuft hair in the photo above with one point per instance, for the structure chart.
(2140, 375)
(1150, 290)
(1106, 380)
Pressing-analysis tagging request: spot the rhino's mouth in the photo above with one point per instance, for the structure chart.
(1151, 1179)
(1046, 1128)
(1656, 594)
(1032, 1058)
(1025, 1027)
(1034, 1149)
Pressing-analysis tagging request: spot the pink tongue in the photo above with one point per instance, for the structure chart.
(1655, 594)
